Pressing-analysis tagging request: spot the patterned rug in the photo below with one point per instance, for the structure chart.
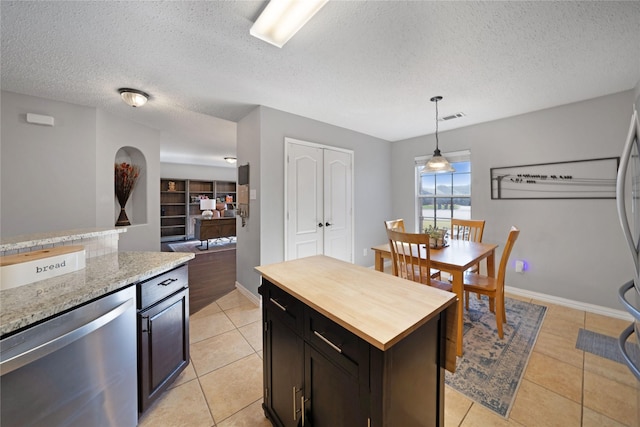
(196, 247)
(490, 370)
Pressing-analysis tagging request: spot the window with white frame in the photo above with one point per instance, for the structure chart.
(444, 195)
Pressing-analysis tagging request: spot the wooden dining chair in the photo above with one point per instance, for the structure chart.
(395, 224)
(468, 229)
(493, 287)
(411, 258)
(398, 225)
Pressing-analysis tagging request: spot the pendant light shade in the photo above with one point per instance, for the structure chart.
(133, 97)
(437, 163)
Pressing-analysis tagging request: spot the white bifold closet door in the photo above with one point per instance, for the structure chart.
(319, 201)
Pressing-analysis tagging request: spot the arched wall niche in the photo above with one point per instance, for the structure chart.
(136, 206)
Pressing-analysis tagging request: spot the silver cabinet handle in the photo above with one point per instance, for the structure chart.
(332, 345)
(295, 411)
(302, 402)
(624, 336)
(64, 340)
(167, 282)
(280, 306)
(621, 296)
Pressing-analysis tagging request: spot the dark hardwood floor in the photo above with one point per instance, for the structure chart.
(211, 276)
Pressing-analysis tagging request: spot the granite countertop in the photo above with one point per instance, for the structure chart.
(56, 237)
(25, 305)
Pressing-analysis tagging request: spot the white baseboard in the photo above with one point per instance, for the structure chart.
(591, 308)
(247, 293)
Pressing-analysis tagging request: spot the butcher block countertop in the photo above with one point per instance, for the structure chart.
(380, 308)
(28, 304)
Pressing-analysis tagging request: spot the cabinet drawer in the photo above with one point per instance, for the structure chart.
(159, 287)
(338, 344)
(282, 305)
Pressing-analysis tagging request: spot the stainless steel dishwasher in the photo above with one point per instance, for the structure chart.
(75, 369)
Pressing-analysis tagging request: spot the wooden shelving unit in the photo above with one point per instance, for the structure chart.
(173, 213)
(180, 207)
(224, 189)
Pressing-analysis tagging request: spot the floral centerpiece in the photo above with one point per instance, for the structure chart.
(436, 236)
(125, 177)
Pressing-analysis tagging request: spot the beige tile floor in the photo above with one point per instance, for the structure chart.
(562, 386)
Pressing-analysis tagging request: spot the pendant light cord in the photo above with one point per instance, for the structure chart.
(437, 125)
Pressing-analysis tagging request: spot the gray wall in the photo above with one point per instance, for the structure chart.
(574, 248)
(205, 173)
(61, 177)
(142, 143)
(264, 132)
(248, 151)
(48, 173)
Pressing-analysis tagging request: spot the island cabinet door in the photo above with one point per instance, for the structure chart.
(332, 396)
(283, 373)
(283, 355)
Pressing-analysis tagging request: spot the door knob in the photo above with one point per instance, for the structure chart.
(319, 224)
(328, 224)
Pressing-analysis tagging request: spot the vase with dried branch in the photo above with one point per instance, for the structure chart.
(125, 177)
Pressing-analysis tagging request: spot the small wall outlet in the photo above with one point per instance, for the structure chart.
(364, 252)
(519, 266)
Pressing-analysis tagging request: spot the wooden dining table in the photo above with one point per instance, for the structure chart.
(458, 256)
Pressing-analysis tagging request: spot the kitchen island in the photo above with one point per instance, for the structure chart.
(346, 345)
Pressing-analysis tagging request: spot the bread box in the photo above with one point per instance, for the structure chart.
(28, 267)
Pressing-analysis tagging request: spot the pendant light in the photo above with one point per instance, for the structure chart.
(437, 163)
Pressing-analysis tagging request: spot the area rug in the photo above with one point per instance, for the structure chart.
(490, 370)
(194, 246)
(605, 346)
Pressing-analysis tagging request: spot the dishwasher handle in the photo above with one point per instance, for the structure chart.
(42, 350)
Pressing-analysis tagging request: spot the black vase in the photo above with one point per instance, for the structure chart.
(122, 218)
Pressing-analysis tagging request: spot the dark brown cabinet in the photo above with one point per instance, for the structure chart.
(309, 380)
(284, 393)
(332, 397)
(283, 344)
(216, 228)
(317, 373)
(163, 333)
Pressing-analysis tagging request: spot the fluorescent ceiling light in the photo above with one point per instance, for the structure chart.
(281, 19)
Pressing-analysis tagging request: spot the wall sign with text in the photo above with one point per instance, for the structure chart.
(578, 179)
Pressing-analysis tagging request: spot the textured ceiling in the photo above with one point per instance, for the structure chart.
(362, 65)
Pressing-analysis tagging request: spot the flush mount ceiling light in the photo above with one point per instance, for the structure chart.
(281, 19)
(437, 163)
(231, 160)
(133, 97)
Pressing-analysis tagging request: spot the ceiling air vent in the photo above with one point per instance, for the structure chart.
(452, 116)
